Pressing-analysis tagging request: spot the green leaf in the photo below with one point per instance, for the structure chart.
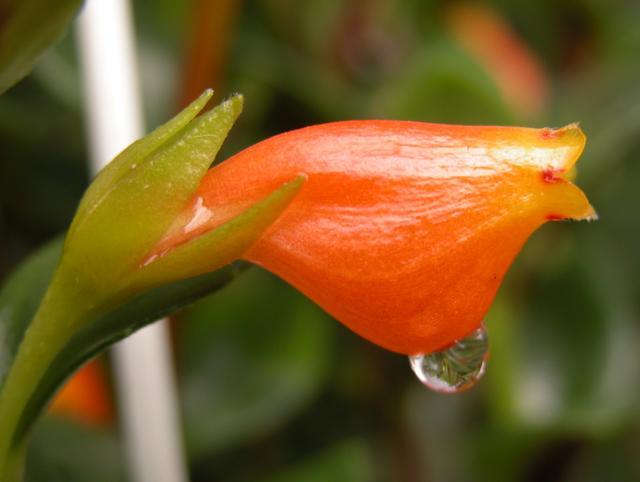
(254, 356)
(455, 440)
(27, 29)
(20, 297)
(350, 460)
(562, 365)
(62, 450)
(443, 84)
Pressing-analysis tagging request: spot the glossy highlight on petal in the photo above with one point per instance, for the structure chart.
(402, 231)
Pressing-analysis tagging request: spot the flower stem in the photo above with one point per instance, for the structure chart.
(50, 329)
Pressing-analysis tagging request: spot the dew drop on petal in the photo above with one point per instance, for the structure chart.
(457, 367)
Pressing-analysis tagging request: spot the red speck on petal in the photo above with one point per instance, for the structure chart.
(551, 175)
(548, 133)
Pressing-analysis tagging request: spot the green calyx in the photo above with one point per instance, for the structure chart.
(137, 196)
(100, 277)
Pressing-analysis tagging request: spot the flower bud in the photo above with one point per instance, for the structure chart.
(403, 231)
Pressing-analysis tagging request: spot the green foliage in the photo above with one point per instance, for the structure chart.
(254, 355)
(560, 399)
(27, 28)
(63, 451)
(99, 291)
(344, 461)
(567, 370)
(439, 85)
(19, 299)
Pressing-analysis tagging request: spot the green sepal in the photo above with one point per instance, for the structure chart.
(129, 158)
(219, 246)
(135, 201)
(191, 271)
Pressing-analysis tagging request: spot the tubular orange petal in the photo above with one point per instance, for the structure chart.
(403, 231)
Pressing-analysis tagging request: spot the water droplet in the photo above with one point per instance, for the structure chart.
(455, 368)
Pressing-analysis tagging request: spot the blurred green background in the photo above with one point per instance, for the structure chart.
(271, 388)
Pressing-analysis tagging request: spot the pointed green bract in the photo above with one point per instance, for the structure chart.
(143, 193)
(221, 245)
(129, 158)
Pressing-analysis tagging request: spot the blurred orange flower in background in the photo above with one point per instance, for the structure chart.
(85, 397)
(494, 44)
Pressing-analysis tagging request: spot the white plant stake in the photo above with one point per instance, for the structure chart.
(143, 365)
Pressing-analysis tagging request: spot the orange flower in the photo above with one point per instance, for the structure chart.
(403, 231)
